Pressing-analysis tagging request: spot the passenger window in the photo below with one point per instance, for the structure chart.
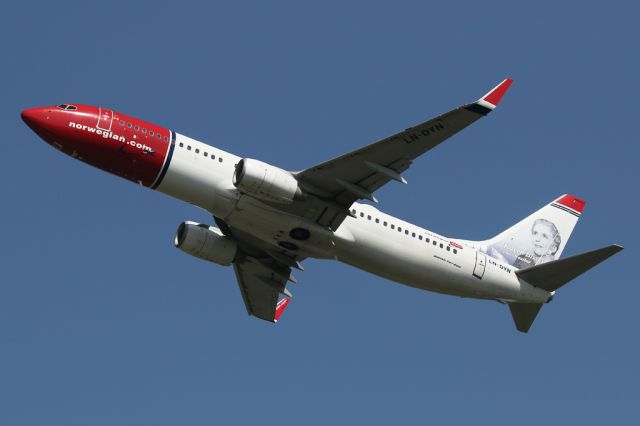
(206, 154)
(181, 144)
(144, 130)
(213, 157)
(188, 147)
(448, 248)
(413, 234)
(369, 217)
(393, 226)
(166, 139)
(197, 151)
(129, 125)
(377, 220)
(455, 251)
(220, 159)
(420, 237)
(399, 229)
(150, 132)
(426, 240)
(441, 245)
(435, 243)
(406, 232)
(361, 214)
(385, 223)
(122, 122)
(137, 128)
(159, 136)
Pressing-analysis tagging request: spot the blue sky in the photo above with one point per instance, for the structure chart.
(103, 321)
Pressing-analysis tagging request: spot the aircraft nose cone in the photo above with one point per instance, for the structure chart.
(33, 117)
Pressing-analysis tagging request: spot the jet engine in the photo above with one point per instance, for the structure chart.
(206, 242)
(265, 182)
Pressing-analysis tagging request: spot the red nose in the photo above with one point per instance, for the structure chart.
(35, 118)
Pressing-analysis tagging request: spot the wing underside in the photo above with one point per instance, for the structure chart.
(262, 274)
(261, 287)
(332, 187)
(337, 183)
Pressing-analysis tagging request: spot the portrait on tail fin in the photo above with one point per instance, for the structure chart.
(537, 239)
(543, 243)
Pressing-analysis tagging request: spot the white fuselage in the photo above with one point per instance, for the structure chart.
(372, 241)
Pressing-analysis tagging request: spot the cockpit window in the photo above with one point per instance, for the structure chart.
(67, 107)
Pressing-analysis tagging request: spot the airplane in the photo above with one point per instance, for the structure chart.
(268, 220)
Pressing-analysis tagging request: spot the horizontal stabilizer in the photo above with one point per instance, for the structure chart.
(552, 275)
(524, 314)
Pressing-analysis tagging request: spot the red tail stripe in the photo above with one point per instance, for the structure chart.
(572, 202)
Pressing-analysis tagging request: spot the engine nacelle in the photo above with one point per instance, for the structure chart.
(206, 242)
(265, 182)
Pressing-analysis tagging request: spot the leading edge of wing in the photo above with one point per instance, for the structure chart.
(359, 173)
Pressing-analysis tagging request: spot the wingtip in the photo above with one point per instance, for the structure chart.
(493, 97)
(280, 307)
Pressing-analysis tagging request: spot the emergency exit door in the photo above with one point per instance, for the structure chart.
(481, 264)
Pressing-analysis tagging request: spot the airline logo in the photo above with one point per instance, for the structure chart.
(110, 135)
(570, 204)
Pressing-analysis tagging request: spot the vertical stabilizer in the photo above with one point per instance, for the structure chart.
(537, 239)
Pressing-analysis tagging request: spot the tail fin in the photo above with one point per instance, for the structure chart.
(539, 238)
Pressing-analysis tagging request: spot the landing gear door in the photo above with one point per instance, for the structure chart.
(481, 264)
(105, 119)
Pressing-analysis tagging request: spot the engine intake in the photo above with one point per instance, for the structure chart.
(206, 242)
(265, 182)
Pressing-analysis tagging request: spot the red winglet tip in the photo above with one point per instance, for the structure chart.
(495, 95)
(572, 202)
(280, 307)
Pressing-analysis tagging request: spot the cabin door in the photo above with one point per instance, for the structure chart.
(105, 119)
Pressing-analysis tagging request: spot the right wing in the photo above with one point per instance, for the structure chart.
(261, 285)
(262, 274)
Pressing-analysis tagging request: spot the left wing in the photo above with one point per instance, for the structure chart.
(356, 175)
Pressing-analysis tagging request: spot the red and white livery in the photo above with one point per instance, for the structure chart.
(268, 220)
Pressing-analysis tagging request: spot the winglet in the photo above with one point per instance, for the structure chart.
(488, 102)
(280, 307)
(494, 96)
